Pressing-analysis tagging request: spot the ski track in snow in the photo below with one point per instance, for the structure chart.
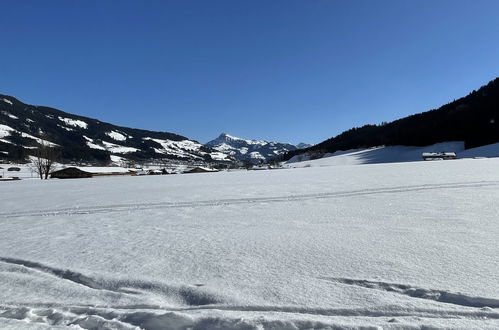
(192, 295)
(415, 292)
(219, 317)
(123, 298)
(196, 299)
(221, 202)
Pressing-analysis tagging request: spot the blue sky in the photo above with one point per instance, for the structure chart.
(285, 70)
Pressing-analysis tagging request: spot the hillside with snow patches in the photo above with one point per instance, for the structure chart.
(23, 128)
(401, 246)
(255, 151)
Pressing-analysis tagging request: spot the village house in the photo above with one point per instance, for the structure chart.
(88, 172)
(201, 170)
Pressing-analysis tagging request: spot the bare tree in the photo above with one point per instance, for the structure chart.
(45, 161)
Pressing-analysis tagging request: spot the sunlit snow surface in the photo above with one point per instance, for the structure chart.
(74, 122)
(383, 246)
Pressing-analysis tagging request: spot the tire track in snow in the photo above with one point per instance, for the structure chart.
(416, 292)
(233, 201)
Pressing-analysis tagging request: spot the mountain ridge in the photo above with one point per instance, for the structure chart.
(80, 139)
(473, 119)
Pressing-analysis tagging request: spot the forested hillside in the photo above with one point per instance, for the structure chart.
(472, 119)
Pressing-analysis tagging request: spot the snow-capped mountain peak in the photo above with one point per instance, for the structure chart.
(227, 138)
(249, 150)
(303, 145)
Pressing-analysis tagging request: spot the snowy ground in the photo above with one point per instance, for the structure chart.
(26, 171)
(392, 154)
(383, 246)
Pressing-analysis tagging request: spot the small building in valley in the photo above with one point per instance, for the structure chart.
(439, 155)
(200, 170)
(70, 173)
(88, 172)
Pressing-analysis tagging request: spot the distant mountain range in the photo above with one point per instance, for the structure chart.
(473, 119)
(80, 139)
(254, 151)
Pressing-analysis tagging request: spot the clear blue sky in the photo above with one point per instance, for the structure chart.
(285, 70)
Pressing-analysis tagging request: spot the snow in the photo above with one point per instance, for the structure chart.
(103, 169)
(116, 136)
(91, 144)
(235, 138)
(74, 122)
(207, 169)
(26, 172)
(491, 150)
(7, 101)
(95, 146)
(183, 148)
(66, 128)
(10, 115)
(381, 246)
(115, 148)
(219, 156)
(256, 155)
(116, 159)
(7, 131)
(390, 154)
(242, 149)
(224, 147)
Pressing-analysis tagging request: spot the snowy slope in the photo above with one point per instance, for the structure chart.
(490, 150)
(390, 154)
(382, 246)
(253, 150)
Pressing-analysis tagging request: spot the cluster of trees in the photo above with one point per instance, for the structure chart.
(45, 161)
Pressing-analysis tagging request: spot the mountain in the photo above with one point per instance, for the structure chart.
(254, 151)
(23, 128)
(473, 119)
(302, 145)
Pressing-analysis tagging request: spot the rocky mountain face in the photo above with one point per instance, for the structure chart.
(24, 128)
(254, 151)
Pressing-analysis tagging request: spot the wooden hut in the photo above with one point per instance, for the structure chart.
(70, 173)
(201, 170)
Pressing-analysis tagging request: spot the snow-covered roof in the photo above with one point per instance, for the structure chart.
(437, 154)
(205, 169)
(102, 169)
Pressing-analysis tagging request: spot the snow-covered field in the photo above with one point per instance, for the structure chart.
(379, 246)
